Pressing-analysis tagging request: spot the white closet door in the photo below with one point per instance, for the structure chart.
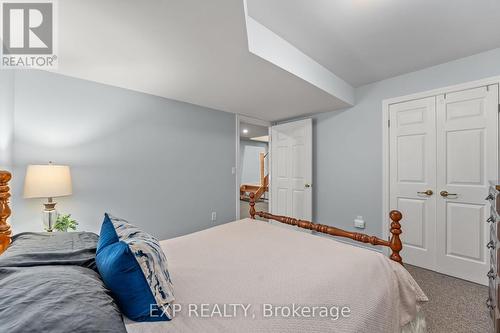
(413, 172)
(467, 158)
(291, 174)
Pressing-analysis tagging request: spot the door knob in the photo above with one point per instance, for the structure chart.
(428, 192)
(307, 185)
(445, 194)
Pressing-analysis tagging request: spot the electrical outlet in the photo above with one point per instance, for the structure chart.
(214, 216)
(359, 222)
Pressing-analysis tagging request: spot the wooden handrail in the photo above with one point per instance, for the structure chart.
(260, 189)
(394, 243)
(5, 231)
(261, 160)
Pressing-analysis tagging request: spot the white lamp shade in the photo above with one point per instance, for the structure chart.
(47, 181)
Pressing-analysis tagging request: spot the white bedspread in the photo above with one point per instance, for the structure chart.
(255, 263)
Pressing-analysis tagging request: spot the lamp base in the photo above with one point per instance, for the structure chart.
(49, 215)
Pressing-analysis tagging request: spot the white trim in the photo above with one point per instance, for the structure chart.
(385, 136)
(444, 90)
(253, 121)
(269, 168)
(237, 166)
(385, 170)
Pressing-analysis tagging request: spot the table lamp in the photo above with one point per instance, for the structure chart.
(48, 181)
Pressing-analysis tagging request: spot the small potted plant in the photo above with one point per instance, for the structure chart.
(65, 222)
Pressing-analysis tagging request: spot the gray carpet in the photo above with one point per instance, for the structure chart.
(455, 305)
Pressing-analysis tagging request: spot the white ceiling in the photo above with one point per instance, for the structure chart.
(189, 50)
(364, 41)
(252, 130)
(199, 52)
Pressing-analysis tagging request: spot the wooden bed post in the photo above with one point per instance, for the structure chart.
(5, 212)
(252, 206)
(395, 242)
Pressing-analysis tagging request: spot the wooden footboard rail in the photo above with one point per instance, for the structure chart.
(394, 243)
(5, 231)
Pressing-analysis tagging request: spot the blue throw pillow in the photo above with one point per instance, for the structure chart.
(108, 234)
(134, 267)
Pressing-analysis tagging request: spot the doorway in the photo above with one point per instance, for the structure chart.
(275, 164)
(253, 175)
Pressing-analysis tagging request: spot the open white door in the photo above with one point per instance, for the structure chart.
(291, 169)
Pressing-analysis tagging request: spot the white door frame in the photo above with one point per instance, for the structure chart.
(254, 121)
(385, 138)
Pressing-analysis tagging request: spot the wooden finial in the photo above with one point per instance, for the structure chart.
(252, 205)
(5, 231)
(395, 242)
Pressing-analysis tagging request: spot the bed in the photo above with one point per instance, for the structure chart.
(254, 276)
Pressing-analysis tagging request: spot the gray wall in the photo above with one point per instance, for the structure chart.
(162, 164)
(348, 143)
(250, 162)
(6, 117)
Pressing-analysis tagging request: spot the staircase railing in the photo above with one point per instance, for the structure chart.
(257, 190)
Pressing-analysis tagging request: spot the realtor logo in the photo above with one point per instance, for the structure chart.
(28, 34)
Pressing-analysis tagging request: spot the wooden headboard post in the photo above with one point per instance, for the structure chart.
(394, 243)
(5, 212)
(252, 205)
